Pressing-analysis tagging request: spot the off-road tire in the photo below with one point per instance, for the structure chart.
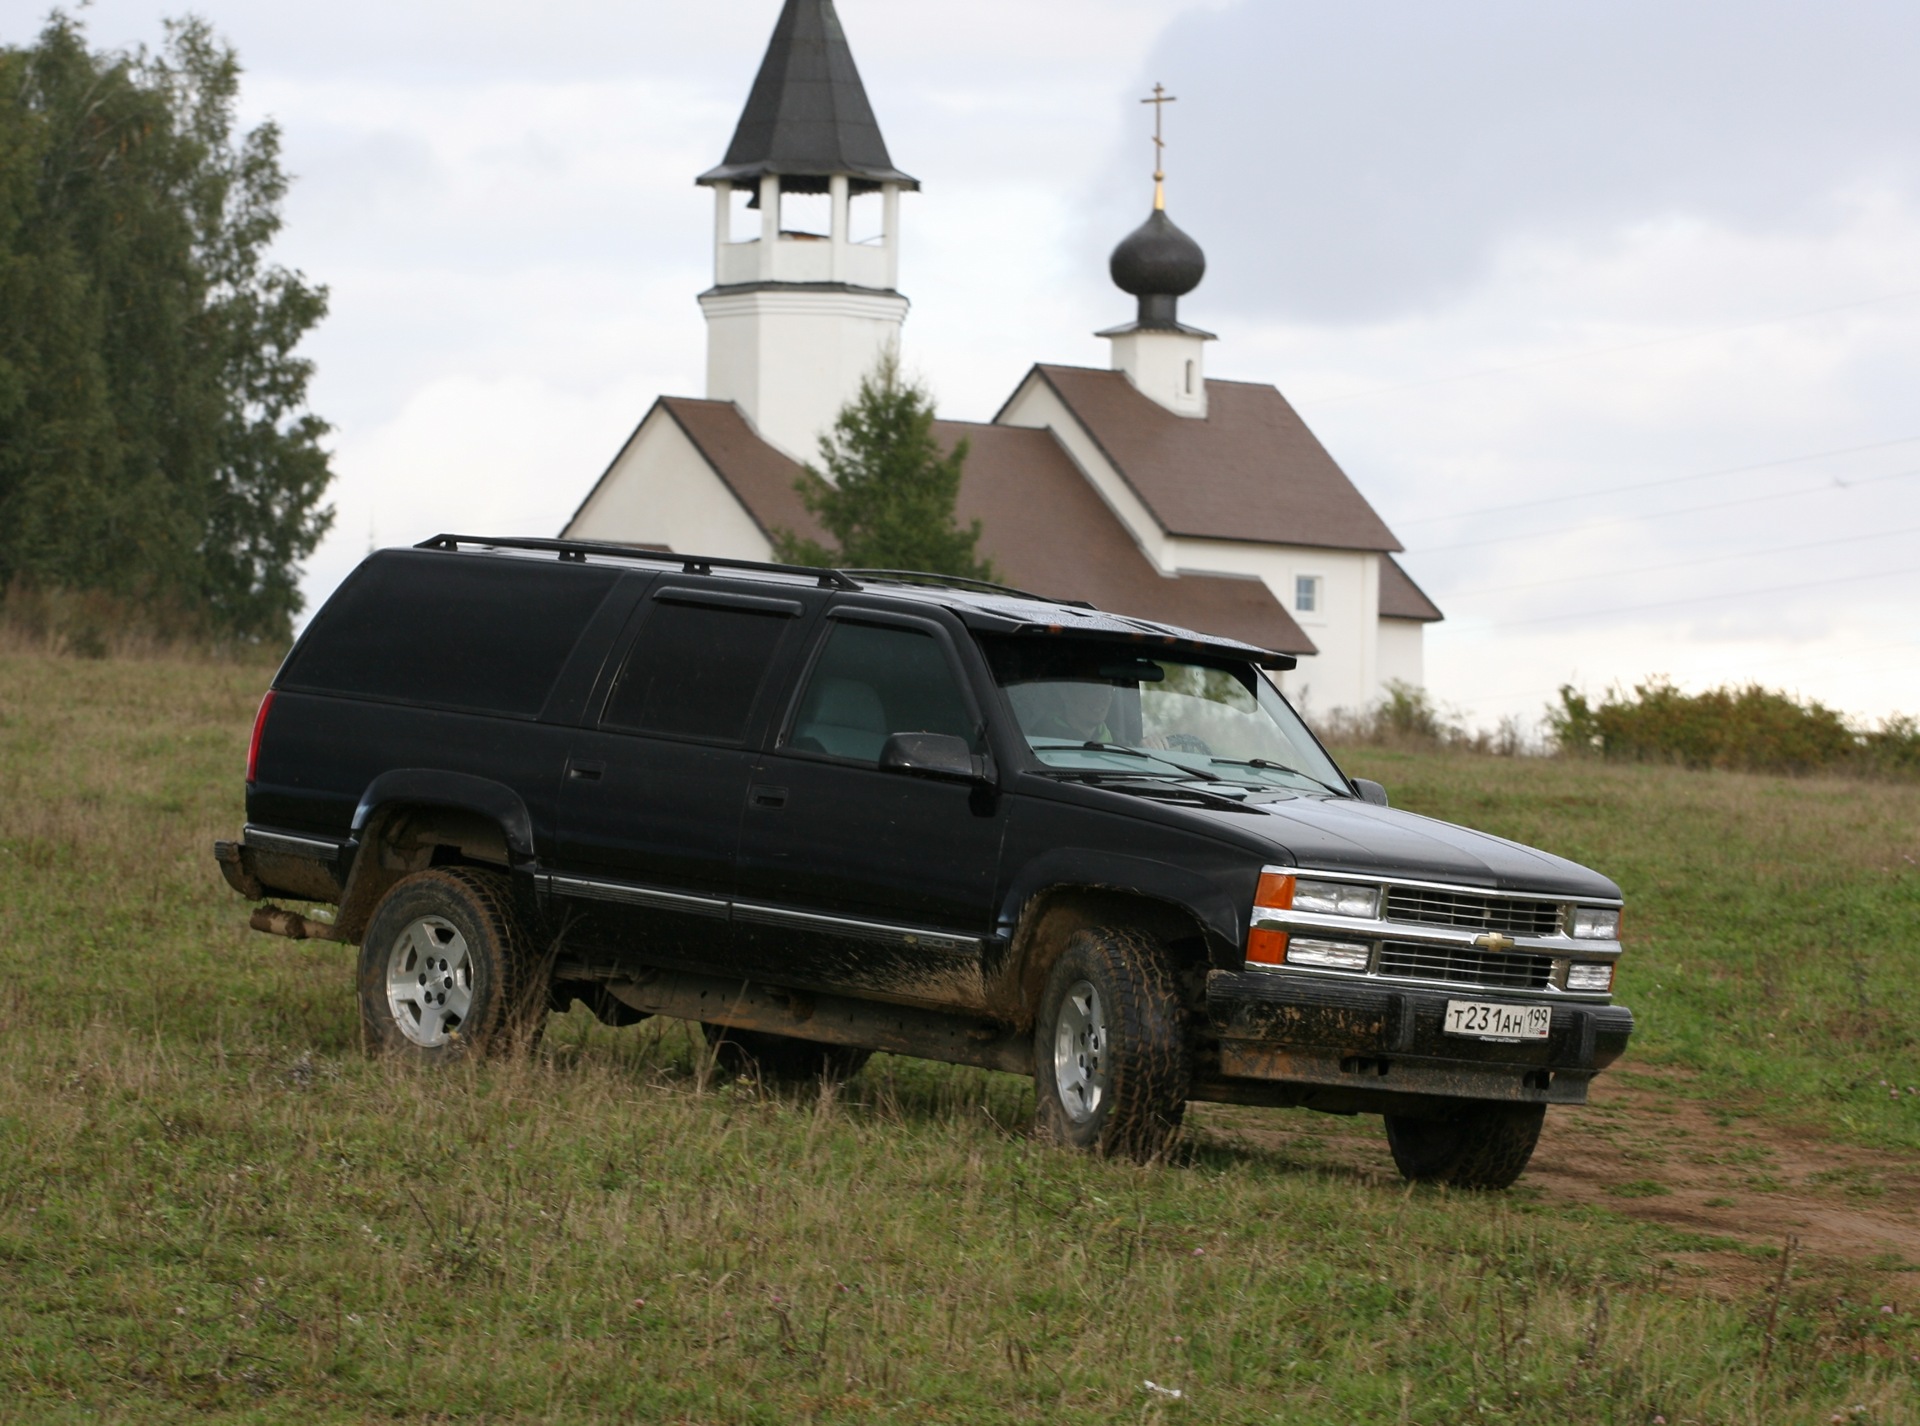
(1144, 1068)
(781, 1059)
(1477, 1146)
(505, 1003)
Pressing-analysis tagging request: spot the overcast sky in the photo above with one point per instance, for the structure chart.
(1611, 307)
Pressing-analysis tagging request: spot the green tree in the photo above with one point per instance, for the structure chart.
(888, 495)
(154, 437)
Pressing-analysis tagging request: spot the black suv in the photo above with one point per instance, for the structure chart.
(826, 812)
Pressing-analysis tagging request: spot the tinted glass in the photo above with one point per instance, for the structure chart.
(694, 671)
(450, 631)
(870, 682)
(1090, 707)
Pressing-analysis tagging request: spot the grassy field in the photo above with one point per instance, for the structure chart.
(212, 1208)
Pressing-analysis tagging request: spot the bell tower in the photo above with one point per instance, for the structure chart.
(802, 306)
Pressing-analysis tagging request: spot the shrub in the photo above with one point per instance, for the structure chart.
(1751, 729)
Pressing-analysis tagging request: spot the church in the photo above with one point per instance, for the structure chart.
(1147, 488)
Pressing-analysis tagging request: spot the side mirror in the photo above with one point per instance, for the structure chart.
(1371, 791)
(929, 755)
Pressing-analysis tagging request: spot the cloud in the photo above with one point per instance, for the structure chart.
(1355, 160)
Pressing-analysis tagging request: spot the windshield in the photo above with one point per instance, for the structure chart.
(1090, 708)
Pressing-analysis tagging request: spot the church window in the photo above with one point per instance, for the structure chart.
(1189, 378)
(1306, 594)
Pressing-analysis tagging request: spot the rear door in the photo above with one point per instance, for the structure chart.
(652, 794)
(855, 878)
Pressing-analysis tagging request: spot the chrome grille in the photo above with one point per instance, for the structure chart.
(1482, 913)
(1464, 966)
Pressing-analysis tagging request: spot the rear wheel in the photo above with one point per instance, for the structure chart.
(782, 1059)
(445, 969)
(1477, 1146)
(1110, 1061)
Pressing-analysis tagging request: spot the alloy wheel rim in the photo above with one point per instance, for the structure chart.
(1080, 1052)
(430, 981)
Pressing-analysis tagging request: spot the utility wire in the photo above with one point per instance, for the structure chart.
(1744, 666)
(1608, 351)
(1680, 564)
(1652, 484)
(1698, 599)
(1664, 514)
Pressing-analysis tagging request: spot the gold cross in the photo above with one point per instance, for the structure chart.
(1160, 98)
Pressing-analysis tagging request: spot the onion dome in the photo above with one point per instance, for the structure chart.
(1157, 263)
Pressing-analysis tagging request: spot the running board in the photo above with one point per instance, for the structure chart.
(830, 1019)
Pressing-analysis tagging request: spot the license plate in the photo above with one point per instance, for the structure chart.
(1484, 1020)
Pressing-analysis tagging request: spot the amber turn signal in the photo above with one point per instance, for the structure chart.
(1275, 891)
(1267, 948)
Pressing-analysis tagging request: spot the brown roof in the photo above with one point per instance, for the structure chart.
(1250, 470)
(1401, 598)
(1046, 529)
(760, 475)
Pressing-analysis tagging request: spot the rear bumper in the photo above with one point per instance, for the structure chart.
(1286, 1038)
(269, 863)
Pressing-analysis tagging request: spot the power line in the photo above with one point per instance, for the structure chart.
(1681, 564)
(1742, 666)
(1664, 514)
(1651, 484)
(1699, 599)
(1608, 351)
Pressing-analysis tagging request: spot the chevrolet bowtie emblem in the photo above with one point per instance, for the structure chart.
(1495, 942)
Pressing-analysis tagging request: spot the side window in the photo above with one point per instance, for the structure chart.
(871, 681)
(695, 671)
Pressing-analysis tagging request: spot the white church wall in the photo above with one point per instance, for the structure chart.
(1346, 628)
(1403, 652)
(661, 491)
(1344, 623)
(1167, 367)
(792, 358)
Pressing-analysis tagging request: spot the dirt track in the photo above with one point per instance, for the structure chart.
(1646, 1151)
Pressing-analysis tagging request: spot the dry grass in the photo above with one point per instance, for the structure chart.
(211, 1208)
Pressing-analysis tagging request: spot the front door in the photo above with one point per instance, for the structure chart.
(651, 800)
(857, 878)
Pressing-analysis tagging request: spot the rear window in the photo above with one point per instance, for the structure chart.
(696, 670)
(450, 631)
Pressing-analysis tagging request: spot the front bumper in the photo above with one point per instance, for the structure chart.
(1303, 1039)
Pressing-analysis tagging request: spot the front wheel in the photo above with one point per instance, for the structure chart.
(1110, 1060)
(1476, 1146)
(445, 969)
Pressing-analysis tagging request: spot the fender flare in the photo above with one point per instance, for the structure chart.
(459, 791)
(1182, 888)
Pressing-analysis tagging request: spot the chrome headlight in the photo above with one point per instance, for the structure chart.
(1590, 975)
(1333, 955)
(1336, 898)
(1596, 923)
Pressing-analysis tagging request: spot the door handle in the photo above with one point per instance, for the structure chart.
(762, 796)
(585, 772)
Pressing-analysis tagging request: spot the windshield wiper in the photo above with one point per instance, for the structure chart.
(1094, 746)
(1267, 765)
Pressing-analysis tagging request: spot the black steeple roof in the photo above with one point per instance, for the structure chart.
(808, 116)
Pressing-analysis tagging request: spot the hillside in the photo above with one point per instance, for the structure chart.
(212, 1208)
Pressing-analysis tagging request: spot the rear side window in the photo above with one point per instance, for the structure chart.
(695, 671)
(872, 681)
(450, 631)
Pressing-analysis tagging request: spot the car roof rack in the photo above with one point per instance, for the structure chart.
(689, 564)
(958, 581)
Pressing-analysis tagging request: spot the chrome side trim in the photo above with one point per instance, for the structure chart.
(627, 894)
(290, 845)
(879, 931)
